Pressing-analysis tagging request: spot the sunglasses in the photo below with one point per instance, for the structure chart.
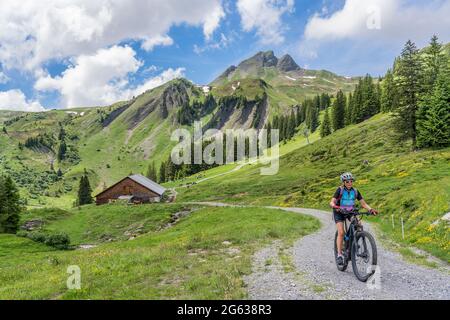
(348, 181)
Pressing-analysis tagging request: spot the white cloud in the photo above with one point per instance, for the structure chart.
(3, 78)
(32, 32)
(266, 17)
(159, 80)
(385, 20)
(15, 100)
(150, 43)
(102, 78)
(95, 79)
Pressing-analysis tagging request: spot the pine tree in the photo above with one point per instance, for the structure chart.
(325, 129)
(356, 116)
(62, 151)
(84, 191)
(292, 124)
(325, 101)
(338, 121)
(370, 101)
(389, 97)
(434, 128)
(162, 172)
(10, 207)
(348, 110)
(298, 116)
(151, 172)
(408, 81)
(312, 116)
(433, 60)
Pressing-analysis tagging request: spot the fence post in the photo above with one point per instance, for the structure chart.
(403, 230)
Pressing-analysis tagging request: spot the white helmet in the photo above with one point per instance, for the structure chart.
(346, 176)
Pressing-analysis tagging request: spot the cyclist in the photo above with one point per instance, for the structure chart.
(345, 198)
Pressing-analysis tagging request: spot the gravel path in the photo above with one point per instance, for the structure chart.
(315, 276)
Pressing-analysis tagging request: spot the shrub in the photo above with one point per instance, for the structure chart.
(37, 237)
(22, 234)
(59, 241)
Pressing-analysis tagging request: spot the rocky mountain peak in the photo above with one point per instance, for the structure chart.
(286, 64)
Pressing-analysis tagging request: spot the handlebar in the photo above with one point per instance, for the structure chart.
(354, 212)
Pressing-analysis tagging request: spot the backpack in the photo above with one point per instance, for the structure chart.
(341, 191)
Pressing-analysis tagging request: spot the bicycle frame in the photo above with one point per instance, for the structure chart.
(349, 233)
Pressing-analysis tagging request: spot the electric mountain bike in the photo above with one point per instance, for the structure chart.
(359, 246)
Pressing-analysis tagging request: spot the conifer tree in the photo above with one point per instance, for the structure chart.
(325, 129)
(388, 95)
(10, 207)
(84, 190)
(162, 173)
(338, 120)
(408, 81)
(151, 172)
(348, 110)
(434, 127)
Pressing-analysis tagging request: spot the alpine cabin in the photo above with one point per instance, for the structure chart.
(134, 189)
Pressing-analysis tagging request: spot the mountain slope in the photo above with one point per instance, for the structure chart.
(400, 183)
(110, 142)
(286, 76)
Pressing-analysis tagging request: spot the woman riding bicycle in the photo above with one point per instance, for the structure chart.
(344, 199)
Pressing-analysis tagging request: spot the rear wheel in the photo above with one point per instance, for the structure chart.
(364, 255)
(341, 267)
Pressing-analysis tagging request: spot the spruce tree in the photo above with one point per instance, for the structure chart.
(433, 60)
(348, 110)
(388, 93)
(338, 120)
(10, 207)
(292, 124)
(62, 151)
(325, 129)
(84, 191)
(408, 81)
(151, 172)
(162, 172)
(434, 128)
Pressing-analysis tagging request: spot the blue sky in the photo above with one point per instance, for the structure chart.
(75, 53)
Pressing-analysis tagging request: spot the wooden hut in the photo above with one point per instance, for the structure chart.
(135, 188)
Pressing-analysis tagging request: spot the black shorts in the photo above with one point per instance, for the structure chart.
(338, 217)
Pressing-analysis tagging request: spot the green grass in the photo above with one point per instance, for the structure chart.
(94, 224)
(412, 185)
(187, 261)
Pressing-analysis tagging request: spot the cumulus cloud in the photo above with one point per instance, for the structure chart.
(102, 78)
(385, 20)
(16, 100)
(265, 16)
(94, 79)
(150, 43)
(32, 32)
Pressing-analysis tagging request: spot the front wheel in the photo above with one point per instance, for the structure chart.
(364, 255)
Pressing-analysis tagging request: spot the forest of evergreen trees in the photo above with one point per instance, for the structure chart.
(416, 90)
